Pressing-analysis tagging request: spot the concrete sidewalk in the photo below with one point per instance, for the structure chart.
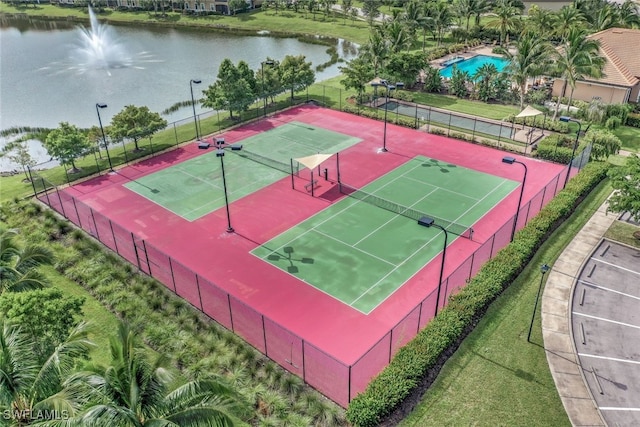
(556, 330)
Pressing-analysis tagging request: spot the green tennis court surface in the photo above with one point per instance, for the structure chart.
(194, 188)
(360, 254)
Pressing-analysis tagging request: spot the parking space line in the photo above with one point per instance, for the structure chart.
(595, 356)
(606, 320)
(613, 408)
(608, 289)
(616, 266)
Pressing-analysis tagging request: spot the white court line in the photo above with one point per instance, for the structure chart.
(608, 289)
(606, 320)
(357, 249)
(480, 200)
(614, 359)
(616, 266)
(428, 242)
(394, 218)
(613, 408)
(445, 189)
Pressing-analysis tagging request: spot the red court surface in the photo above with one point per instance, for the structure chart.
(335, 348)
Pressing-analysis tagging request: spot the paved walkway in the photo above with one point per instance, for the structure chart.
(556, 331)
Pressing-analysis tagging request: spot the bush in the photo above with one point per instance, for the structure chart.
(633, 120)
(556, 148)
(422, 357)
(613, 123)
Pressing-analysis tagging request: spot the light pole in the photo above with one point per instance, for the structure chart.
(575, 144)
(104, 139)
(264, 97)
(543, 269)
(425, 221)
(389, 88)
(512, 160)
(193, 104)
(220, 153)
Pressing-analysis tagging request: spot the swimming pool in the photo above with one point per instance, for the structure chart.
(472, 64)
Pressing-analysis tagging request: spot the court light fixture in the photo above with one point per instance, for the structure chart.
(428, 222)
(543, 269)
(99, 106)
(264, 96)
(567, 119)
(220, 153)
(389, 87)
(511, 160)
(193, 104)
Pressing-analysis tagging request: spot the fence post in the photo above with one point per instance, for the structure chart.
(197, 280)
(94, 224)
(135, 250)
(115, 242)
(64, 213)
(173, 279)
(264, 336)
(303, 366)
(73, 199)
(230, 312)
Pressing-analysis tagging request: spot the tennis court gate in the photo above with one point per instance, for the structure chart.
(339, 380)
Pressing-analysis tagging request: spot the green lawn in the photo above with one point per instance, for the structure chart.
(497, 378)
(630, 138)
(476, 108)
(622, 232)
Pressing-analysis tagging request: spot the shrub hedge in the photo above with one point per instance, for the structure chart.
(557, 148)
(423, 356)
(633, 120)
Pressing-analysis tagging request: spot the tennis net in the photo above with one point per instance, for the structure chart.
(450, 226)
(275, 164)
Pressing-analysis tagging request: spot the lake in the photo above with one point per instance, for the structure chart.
(42, 85)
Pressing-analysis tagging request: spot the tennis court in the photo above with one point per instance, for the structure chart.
(194, 188)
(360, 254)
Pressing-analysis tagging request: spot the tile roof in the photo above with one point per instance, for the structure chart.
(623, 60)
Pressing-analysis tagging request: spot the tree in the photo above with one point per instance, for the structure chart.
(135, 123)
(375, 51)
(459, 81)
(19, 264)
(30, 390)
(506, 18)
(565, 19)
(357, 75)
(530, 59)
(296, 73)
(442, 17)
(134, 391)
(396, 32)
(576, 59)
(346, 6)
(233, 89)
(483, 78)
(405, 67)
(371, 10)
(268, 80)
(236, 5)
(432, 79)
(46, 316)
(625, 181)
(66, 144)
(17, 152)
(603, 144)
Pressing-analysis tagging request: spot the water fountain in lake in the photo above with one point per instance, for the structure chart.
(98, 48)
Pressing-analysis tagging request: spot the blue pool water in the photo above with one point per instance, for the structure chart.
(472, 64)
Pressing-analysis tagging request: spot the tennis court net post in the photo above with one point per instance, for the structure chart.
(451, 226)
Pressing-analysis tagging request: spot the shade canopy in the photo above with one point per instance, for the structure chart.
(529, 112)
(313, 161)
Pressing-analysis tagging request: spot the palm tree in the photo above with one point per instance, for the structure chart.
(541, 21)
(28, 388)
(566, 18)
(531, 57)
(397, 35)
(483, 78)
(134, 391)
(576, 59)
(376, 51)
(507, 18)
(19, 265)
(442, 16)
